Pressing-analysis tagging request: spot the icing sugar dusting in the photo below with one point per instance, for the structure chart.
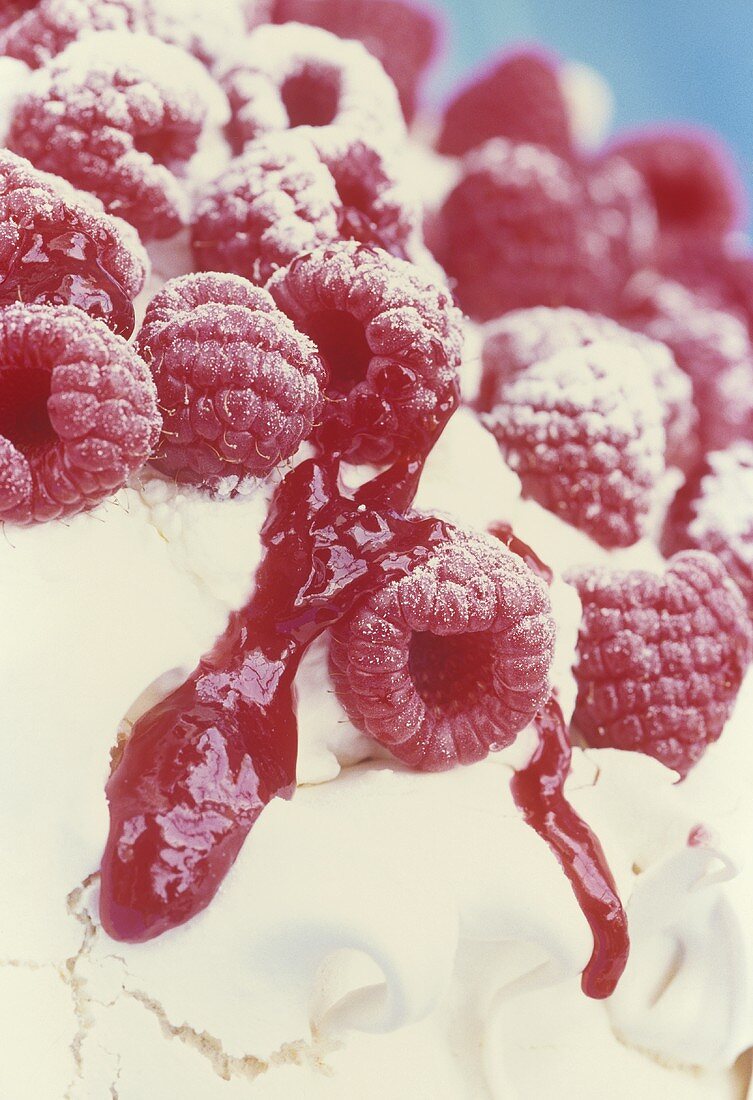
(294, 75)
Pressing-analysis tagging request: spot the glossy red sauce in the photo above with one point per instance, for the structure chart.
(53, 267)
(539, 793)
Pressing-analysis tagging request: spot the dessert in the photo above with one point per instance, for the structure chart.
(377, 671)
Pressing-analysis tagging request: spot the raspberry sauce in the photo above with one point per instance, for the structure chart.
(50, 266)
(200, 767)
(538, 790)
(506, 535)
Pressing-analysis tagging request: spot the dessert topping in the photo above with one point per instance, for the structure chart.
(238, 386)
(78, 412)
(660, 658)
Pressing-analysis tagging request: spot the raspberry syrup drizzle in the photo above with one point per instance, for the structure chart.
(538, 790)
(50, 267)
(200, 767)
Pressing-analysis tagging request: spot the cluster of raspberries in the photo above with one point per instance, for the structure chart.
(306, 319)
(614, 299)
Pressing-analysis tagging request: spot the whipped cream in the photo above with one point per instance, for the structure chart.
(304, 965)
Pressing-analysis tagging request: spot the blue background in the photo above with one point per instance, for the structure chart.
(665, 59)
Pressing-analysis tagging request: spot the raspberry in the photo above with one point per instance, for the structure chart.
(46, 31)
(691, 175)
(239, 387)
(13, 10)
(583, 430)
(720, 271)
(714, 511)
(451, 661)
(111, 128)
(402, 35)
(660, 658)
(523, 227)
(391, 340)
(281, 198)
(711, 346)
(58, 247)
(292, 76)
(518, 340)
(78, 412)
(520, 98)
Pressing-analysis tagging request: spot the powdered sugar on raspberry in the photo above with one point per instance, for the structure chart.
(78, 412)
(46, 31)
(240, 389)
(584, 432)
(660, 658)
(57, 245)
(516, 341)
(727, 505)
(522, 228)
(451, 661)
(282, 197)
(119, 115)
(391, 339)
(288, 76)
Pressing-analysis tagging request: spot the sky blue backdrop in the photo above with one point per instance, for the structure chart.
(689, 59)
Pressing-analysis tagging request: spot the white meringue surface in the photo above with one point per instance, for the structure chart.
(385, 932)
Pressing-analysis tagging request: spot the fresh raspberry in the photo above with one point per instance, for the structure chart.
(691, 175)
(714, 511)
(520, 339)
(282, 197)
(78, 412)
(660, 658)
(402, 34)
(239, 387)
(519, 97)
(13, 10)
(523, 228)
(718, 270)
(451, 661)
(116, 129)
(711, 346)
(391, 340)
(45, 32)
(583, 430)
(58, 247)
(624, 212)
(291, 76)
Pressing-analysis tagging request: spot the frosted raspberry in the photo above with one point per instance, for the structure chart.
(390, 339)
(46, 31)
(691, 175)
(660, 658)
(520, 97)
(282, 197)
(116, 129)
(13, 10)
(78, 412)
(451, 661)
(402, 34)
(719, 270)
(292, 76)
(239, 387)
(518, 340)
(57, 246)
(523, 227)
(714, 511)
(583, 430)
(711, 346)
(624, 212)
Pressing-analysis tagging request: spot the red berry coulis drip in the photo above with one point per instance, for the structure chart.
(200, 767)
(50, 267)
(505, 534)
(538, 790)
